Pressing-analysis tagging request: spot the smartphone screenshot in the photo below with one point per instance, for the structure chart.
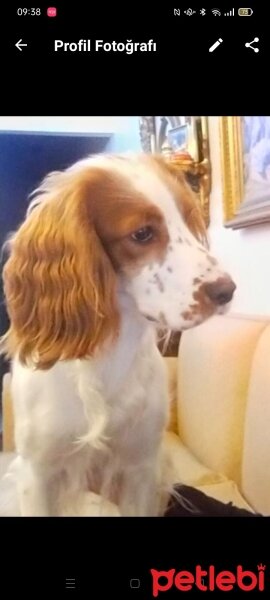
(134, 300)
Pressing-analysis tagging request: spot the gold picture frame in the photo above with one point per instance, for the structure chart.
(165, 135)
(232, 166)
(245, 170)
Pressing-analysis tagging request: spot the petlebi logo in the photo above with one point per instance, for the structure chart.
(209, 579)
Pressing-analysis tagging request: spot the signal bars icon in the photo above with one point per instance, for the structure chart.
(230, 13)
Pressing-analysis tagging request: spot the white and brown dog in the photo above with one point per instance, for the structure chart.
(111, 249)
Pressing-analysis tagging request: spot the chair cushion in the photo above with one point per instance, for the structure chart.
(183, 467)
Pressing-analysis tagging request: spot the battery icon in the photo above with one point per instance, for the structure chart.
(245, 12)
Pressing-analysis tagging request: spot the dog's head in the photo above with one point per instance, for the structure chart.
(108, 223)
(163, 255)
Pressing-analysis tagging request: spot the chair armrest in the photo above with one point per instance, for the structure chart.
(8, 422)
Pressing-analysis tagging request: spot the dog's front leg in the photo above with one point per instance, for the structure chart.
(140, 492)
(33, 490)
(143, 491)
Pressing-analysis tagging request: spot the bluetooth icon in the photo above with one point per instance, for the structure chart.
(203, 12)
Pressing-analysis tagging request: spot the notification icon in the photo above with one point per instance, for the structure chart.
(51, 11)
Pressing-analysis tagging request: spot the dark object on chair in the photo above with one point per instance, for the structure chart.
(202, 505)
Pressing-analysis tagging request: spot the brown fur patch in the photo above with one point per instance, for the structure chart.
(203, 306)
(187, 315)
(185, 198)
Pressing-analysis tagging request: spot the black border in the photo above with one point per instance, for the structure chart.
(181, 74)
(103, 554)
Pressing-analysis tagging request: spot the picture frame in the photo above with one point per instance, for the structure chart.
(184, 141)
(178, 138)
(245, 158)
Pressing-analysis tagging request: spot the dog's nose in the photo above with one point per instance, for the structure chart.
(220, 291)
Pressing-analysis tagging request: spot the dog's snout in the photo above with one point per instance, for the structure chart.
(220, 291)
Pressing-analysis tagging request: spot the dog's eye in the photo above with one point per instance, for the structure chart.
(145, 234)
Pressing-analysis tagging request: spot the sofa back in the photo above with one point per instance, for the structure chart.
(223, 406)
(256, 451)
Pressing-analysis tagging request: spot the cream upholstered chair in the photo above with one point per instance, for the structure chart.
(222, 441)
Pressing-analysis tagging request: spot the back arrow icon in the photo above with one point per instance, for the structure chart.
(19, 45)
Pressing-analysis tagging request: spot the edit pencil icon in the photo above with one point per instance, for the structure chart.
(215, 45)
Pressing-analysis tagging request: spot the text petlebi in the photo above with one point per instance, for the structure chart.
(127, 47)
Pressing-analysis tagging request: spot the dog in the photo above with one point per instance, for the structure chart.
(111, 250)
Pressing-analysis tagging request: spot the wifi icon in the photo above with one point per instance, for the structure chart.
(216, 12)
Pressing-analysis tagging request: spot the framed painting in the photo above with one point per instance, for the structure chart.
(245, 153)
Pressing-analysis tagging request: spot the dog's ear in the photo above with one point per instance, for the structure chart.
(59, 283)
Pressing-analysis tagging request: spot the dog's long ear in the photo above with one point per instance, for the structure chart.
(59, 283)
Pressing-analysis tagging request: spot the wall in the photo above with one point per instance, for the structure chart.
(245, 253)
(84, 125)
(127, 138)
(123, 131)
